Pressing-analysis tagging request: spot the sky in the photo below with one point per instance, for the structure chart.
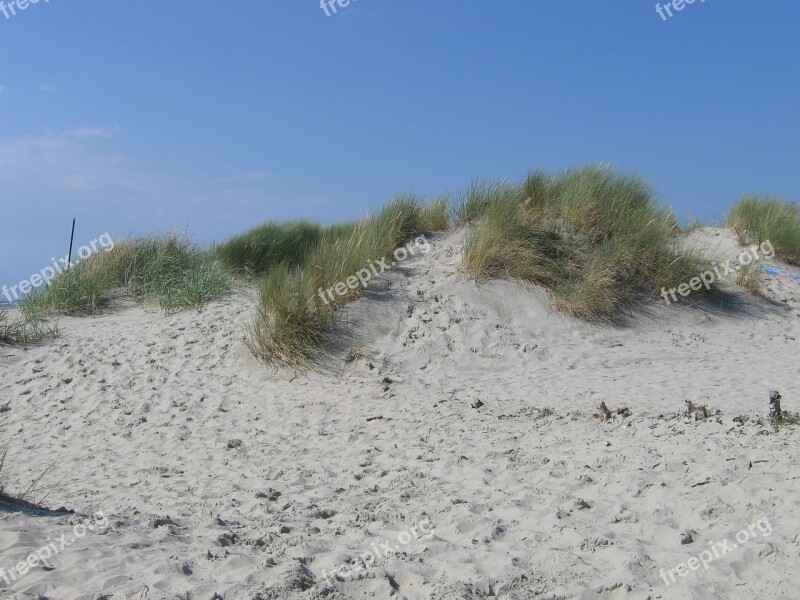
(207, 117)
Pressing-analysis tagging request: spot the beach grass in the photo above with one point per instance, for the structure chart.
(293, 318)
(171, 273)
(15, 329)
(436, 215)
(593, 239)
(749, 278)
(757, 220)
(261, 249)
(82, 290)
(479, 196)
(166, 271)
(691, 226)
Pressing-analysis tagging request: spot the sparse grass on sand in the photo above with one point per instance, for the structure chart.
(28, 495)
(691, 226)
(167, 271)
(789, 418)
(19, 330)
(594, 240)
(758, 220)
(749, 278)
(293, 320)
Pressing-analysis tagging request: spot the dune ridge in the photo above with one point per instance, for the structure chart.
(467, 406)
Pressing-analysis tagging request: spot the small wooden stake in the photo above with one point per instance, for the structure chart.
(689, 408)
(775, 413)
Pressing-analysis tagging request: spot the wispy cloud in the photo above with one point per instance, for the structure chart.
(47, 88)
(94, 132)
(85, 165)
(257, 176)
(2, 89)
(84, 169)
(240, 176)
(67, 162)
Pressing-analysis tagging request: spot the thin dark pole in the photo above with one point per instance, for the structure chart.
(71, 237)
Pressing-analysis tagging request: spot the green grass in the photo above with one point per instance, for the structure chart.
(171, 273)
(165, 271)
(23, 331)
(269, 245)
(478, 198)
(789, 418)
(594, 240)
(293, 320)
(436, 215)
(82, 290)
(691, 226)
(749, 278)
(758, 220)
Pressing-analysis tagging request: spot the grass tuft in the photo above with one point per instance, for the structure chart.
(789, 418)
(749, 278)
(23, 331)
(173, 274)
(479, 197)
(166, 271)
(436, 215)
(592, 238)
(690, 227)
(269, 245)
(294, 319)
(758, 220)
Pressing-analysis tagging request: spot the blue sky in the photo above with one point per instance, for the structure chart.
(143, 117)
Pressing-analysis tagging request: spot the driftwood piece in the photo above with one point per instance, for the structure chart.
(689, 408)
(775, 413)
(605, 414)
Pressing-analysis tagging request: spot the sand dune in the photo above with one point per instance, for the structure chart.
(468, 407)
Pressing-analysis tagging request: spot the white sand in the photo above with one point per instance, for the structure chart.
(142, 415)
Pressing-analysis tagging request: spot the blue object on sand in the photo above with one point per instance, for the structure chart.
(781, 273)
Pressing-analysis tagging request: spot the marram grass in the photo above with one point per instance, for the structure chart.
(168, 272)
(593, 239)
(16, 329)
(171, 273)
(758, 220)
(293, 320)
(268, 246)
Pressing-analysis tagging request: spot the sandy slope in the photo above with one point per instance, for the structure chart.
(221, 479)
